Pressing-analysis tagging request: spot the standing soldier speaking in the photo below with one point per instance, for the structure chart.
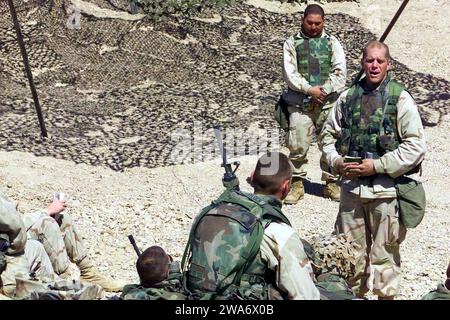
(314, 69)
(379, 126)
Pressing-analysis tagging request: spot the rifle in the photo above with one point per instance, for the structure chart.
(229, 180)
(384, 36)
(133, 243)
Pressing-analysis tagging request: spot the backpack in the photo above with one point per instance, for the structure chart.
(223, 248)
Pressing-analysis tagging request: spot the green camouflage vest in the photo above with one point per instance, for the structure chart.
(169, 289)
(313, 59)
(224, 245)
(369, 122)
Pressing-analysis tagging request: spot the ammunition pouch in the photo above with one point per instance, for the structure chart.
(281, 114)
(411, 201)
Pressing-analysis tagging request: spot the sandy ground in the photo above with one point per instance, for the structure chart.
(157, 205)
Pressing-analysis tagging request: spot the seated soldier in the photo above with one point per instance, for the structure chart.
(243, 247)
(160, 277)
(55, 229)
(18, 255)
(442, 291)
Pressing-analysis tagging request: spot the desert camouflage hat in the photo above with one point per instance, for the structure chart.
(335, 254)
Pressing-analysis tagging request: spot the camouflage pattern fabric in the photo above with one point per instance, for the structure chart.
(368, 208)
(390, 165)
(303, 125)
(371, 119)
(59, 237)
(333, 287)
(379, 250)
(321, 63)
(170, 289)
(2, 262)
(28, 288)
(225, 241)
(313, 59)
(334, 254)
(34, 259)
(441, 293)
(333, 259)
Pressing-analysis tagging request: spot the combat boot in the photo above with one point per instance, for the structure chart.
(332, 191)
(89, 273)
(297, 192)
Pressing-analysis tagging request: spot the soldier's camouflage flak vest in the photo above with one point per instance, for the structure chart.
(369, 120)
(225, 243)
(313, 59)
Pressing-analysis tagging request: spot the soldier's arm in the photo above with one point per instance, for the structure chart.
(338, 72)
(331, 131)
(283, 251)
(413, 147)
(291, 76)
(12, 225)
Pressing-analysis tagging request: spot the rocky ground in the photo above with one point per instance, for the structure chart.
(111, 142)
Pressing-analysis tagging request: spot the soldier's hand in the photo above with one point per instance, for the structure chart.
(366, 168)
(55, 207)
(347, 169)
(317, 94)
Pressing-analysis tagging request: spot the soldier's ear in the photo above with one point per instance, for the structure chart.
(285, 188)
(250, 179)
(389, 66)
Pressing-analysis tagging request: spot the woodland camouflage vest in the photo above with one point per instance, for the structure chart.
(313, 59)
(225, 241)
(369, 122)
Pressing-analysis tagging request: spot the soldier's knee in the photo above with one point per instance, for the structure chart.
(49, 226)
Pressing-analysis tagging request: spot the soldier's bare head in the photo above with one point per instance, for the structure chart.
(313, 21)
(376, 62)
(153, 266)
(272, 175)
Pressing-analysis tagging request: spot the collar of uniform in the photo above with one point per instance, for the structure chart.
(381, 87)
(304, 36)
(274, 201)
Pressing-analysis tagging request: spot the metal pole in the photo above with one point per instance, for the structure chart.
(385, 34)
(26, 64)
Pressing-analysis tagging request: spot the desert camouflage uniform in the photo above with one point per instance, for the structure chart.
(59, 237)
(280, 268)
(283, 252)
(23, 256)
(368, 208)
(305, 119)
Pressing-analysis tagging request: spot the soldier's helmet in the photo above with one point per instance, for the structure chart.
(336, 254)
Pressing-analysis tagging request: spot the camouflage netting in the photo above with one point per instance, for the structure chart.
(115, 90)
(336, 254)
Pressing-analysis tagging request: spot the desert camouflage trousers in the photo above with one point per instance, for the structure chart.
(374, 225)
(33, 259)
(59, 236)
(304, 122)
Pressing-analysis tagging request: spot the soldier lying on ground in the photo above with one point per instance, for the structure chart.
(332, 258)
(58, 243)
(442, 291)
(160, 277)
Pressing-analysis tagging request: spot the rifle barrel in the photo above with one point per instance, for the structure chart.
(385, 34)
(133, 243)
